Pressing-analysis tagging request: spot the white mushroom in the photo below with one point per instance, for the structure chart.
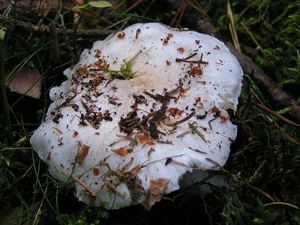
(138, 111)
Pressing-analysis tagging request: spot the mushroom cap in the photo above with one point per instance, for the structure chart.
(139, 110)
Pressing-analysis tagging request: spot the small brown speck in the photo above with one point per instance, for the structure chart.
(197, 99)
(170, 36)
(49, 156)
(138, 31)
(168, 62)
(180, 50)
(96, 171)
(75, 133)
(97, 53)
(121, 35)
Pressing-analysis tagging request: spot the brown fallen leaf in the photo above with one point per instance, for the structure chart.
(83, 152)
(156, 190)
(26, 82)
(122, 151)
(145, 139)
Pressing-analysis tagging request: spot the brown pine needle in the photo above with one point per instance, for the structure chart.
(283, 203)
(232, 29)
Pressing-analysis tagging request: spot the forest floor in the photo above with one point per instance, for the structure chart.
(263, 169)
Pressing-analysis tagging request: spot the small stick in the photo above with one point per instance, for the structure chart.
(29, 27)
(200, 61)
(270, 111)
(182, 120)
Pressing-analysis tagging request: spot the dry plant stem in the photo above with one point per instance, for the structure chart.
(4, 101)
(241, 181)
(148, 8)
(55, 45)
(76, 15)
(179, 13)
(134, 5)
(12, 23)
(283, 203)
(272, 112)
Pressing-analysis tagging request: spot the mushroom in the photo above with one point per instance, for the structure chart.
(140, 109)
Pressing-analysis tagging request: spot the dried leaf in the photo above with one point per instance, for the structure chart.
(156, 190)
(145, 139)
(122, 151)
(83, 152)
(26, 82)
(135, 169)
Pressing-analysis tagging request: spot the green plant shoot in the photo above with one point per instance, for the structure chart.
(125, 71)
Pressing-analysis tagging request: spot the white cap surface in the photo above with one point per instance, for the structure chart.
(124, 141)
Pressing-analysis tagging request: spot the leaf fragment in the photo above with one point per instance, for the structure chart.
(195, 130)
(145, 139)
(123, 151)
(156, 190)
(26, 82)
(83, 152)
(2, 33)
(99, 4)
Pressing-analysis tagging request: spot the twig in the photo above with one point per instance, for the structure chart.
(260, 191)
(134, 5)
(82, 184)
(241, 181)
(200, 61)
(45, 29)
(270, 111)
(180, 121)
(179, 13)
